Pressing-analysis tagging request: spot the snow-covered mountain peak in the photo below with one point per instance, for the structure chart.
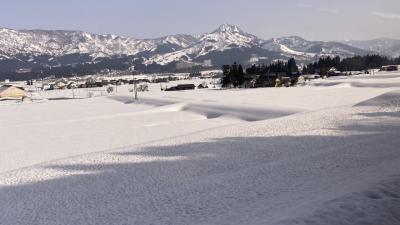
(225, 37)
(228, 28)
(230, 35)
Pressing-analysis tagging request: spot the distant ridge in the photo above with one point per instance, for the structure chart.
(227, 43)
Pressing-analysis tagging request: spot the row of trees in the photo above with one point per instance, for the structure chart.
(357, 63)
(280, 67)
(233, 75)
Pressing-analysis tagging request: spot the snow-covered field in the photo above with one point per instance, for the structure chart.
(325, 153)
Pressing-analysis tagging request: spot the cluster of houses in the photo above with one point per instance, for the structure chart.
(20, 90)
(101, 81)
(53, 83)
(90, 82)
(334, 72)
(14, 92)
(287, 80)
(182, 87)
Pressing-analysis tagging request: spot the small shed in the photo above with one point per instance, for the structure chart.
(181, 87)
(11, 92)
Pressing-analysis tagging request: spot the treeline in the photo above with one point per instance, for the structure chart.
(357, 63)
(70, 70)
(233, 75)
(101, 65)
(279, 67)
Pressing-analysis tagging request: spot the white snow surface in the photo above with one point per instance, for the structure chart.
(327, 153)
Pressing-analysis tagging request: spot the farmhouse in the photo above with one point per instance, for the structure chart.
(11, 92)
(266, 80)
(334, 72)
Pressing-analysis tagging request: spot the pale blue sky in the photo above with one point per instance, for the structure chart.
(312, 19)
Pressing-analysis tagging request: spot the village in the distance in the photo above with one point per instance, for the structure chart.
(52, 88)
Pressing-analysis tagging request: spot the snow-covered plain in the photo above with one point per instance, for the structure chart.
(325, 153)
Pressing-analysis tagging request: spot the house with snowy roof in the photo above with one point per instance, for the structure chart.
(11, 92)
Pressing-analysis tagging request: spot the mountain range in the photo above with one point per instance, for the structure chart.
(228, 43)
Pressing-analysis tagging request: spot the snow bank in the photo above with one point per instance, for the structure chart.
(389, 99)
(212, 110)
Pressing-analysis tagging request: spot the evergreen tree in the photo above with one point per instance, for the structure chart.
(232, 75)
(239, 76)
(226, 70)
(292, 66)
(304, 70)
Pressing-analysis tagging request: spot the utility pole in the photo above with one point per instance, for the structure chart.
(135, 88)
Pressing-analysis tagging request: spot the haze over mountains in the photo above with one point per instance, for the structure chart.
(383, 46)
(228, 43)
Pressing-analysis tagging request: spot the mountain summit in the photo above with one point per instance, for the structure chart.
(227, 28)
